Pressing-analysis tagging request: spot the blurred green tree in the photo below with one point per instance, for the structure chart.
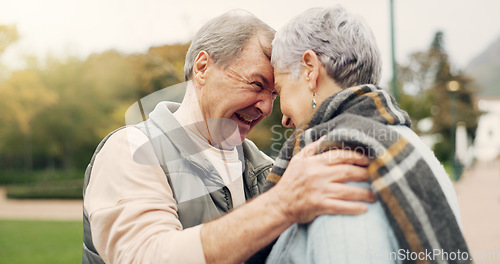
(8, 35)
(160, 67)
(424, 83)
(22, 97)
(55, 111)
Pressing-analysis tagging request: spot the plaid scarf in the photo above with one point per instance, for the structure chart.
(357, 118)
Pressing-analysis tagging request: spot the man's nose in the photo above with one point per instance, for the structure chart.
(286, 121)
(265, 104)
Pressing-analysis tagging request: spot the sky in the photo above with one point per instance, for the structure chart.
(81, 27)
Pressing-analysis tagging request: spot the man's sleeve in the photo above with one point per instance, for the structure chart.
(132, 211)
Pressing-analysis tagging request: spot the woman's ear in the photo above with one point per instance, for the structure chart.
(200, 67)
(311, 64)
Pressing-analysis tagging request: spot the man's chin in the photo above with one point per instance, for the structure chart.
(242, 136)
(232, 141)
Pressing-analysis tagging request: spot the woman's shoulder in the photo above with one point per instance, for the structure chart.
(435, 165)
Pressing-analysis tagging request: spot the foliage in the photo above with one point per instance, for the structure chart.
(40, 242)
(66, 189)
(43, 184)
(424, 83)
(25, 96)
(46, 176)
(54, 113)
(8, 35)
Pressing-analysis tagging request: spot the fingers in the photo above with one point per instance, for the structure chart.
(340, 207)
(314, 184)
(346, 192)
(347, 200)
(344, 173)
(334, 173)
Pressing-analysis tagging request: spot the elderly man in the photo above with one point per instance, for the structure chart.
(159, 191)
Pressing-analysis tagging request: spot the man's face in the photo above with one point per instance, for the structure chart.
(243, 92)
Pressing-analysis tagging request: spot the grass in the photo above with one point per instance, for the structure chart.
(40, 242)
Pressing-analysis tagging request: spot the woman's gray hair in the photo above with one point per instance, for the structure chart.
(343, 42)
(224, 36)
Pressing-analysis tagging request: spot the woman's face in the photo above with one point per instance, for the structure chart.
(295, 98)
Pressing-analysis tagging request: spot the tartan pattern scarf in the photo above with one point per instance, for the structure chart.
(416, 207)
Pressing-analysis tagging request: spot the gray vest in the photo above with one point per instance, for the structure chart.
(198, 188)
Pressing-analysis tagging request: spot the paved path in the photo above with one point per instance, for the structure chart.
(39, 209)
(478, 194)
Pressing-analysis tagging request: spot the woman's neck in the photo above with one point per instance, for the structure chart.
(326, 88)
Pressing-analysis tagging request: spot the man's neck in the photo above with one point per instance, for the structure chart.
(189, 114)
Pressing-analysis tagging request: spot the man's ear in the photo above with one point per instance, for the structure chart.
(200, 67)
(311, 65)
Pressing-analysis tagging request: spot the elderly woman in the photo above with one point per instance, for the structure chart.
(327, 66)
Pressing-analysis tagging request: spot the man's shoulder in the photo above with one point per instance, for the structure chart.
(127, 134)
(124, 139)
(254, 155)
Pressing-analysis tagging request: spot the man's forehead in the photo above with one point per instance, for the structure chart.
(260, 43)
(265, 46)
(254, 61)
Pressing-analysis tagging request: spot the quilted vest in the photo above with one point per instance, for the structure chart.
(197, 187)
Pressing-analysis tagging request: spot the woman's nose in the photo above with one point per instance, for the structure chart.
(286, 121)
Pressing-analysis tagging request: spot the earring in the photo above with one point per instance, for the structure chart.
(314, 101)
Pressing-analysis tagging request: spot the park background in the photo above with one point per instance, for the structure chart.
(70, 69)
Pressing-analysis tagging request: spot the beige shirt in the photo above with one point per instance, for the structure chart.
(227, 164)
(132, 211)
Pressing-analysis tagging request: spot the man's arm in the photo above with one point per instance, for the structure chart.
(131, 207)
(311, 186)
(133, 212)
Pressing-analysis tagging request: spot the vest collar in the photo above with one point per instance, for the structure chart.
(253, 160)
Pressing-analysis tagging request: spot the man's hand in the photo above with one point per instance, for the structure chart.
(313, 184)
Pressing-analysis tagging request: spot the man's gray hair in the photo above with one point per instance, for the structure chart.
(343, 42)
(224, 36)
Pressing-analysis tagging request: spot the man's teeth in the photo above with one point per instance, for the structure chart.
(246, 119)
